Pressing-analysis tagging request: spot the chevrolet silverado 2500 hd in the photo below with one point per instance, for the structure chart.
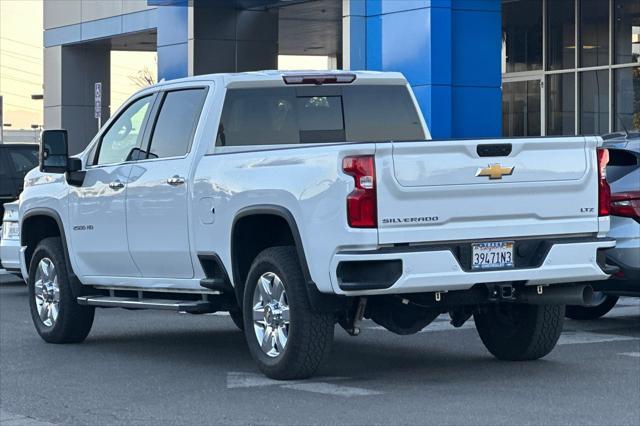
(298, 201)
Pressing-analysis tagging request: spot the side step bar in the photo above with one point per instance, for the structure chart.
(191, 306)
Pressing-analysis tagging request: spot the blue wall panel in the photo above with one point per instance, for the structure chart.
(449, 50)
(140, 21)
(172, 61)
(403, 34)
(477, 112)
(173, 50)
(476, 48)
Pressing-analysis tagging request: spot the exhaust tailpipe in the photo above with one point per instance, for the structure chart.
(555, 295)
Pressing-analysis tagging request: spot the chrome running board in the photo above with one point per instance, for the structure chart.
(191, 306)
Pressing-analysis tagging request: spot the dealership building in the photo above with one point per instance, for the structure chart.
(479, 68)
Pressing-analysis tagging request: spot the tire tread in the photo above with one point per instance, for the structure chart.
(74, 321)
(534, 338)
(308, 349)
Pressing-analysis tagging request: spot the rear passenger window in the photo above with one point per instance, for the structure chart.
(288, 115)
(176, 123)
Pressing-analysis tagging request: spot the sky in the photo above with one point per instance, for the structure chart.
(21, 64)
(21, 61)
(21, 51)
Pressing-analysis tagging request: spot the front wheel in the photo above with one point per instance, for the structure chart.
(516, 332)
(285, 337)
(54, 310)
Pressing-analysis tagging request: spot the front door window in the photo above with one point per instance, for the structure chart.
(124, 138)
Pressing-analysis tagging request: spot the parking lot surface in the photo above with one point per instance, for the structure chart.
(154, 367)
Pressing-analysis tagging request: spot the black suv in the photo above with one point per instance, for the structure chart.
(16, 159)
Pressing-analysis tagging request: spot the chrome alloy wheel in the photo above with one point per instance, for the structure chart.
(47, 292)
(271, 314)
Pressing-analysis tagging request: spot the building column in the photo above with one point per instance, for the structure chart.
(449, 51)
(69, 82)
(203, 36)
(172, 41)
(226, 38)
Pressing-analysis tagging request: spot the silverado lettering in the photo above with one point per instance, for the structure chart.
(410, 219)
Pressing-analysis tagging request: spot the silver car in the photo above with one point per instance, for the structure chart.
(623, 175)
(10, 240)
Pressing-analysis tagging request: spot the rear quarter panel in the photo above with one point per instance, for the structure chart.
(306, 180)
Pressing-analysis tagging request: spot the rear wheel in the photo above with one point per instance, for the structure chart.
(285, 337)
(55, 313)
(517, 332)
(600, 305)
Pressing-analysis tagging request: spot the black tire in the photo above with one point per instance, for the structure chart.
(74, 321)
(591, 312)
(310, 334)
(516, 332)
(237, 318)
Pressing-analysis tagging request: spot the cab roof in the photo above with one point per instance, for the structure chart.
(276, 77)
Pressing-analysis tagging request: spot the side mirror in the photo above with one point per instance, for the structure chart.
(54, 151)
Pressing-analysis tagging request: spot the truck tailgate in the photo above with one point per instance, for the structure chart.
(432, 191)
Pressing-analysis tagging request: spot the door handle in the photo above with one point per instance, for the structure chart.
(116, 184)
(175, 180)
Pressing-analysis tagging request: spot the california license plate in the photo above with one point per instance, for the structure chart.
(492, 255)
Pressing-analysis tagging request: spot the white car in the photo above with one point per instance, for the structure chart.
(10, 241)
(298, 201)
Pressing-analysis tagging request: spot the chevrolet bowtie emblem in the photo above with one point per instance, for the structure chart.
(495, 171)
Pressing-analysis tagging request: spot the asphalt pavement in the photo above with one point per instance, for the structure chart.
(152, 367)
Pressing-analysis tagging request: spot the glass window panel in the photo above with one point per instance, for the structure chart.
(594, 104)
(627, 31)
(521, 108)
(124, 137)
(522, 35)
(269, 116)
(561, 36)
(6, 181)
(176, 123)
(594, 33)
(627, 98)
(561, 108)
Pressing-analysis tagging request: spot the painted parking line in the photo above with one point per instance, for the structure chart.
(10, 419)
(240, 380)
(439, 324)
(630, 354)
(582, 337)
(250, 380)
(332, 389)
(569, 336)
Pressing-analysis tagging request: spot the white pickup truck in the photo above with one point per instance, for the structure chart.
(298, 201)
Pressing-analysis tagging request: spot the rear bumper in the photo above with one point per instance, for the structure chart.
(432, 269)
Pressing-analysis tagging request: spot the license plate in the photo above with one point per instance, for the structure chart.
(493, 255)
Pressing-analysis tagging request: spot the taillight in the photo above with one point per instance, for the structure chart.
(604, 191)
(626, 204)
(362, 210)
